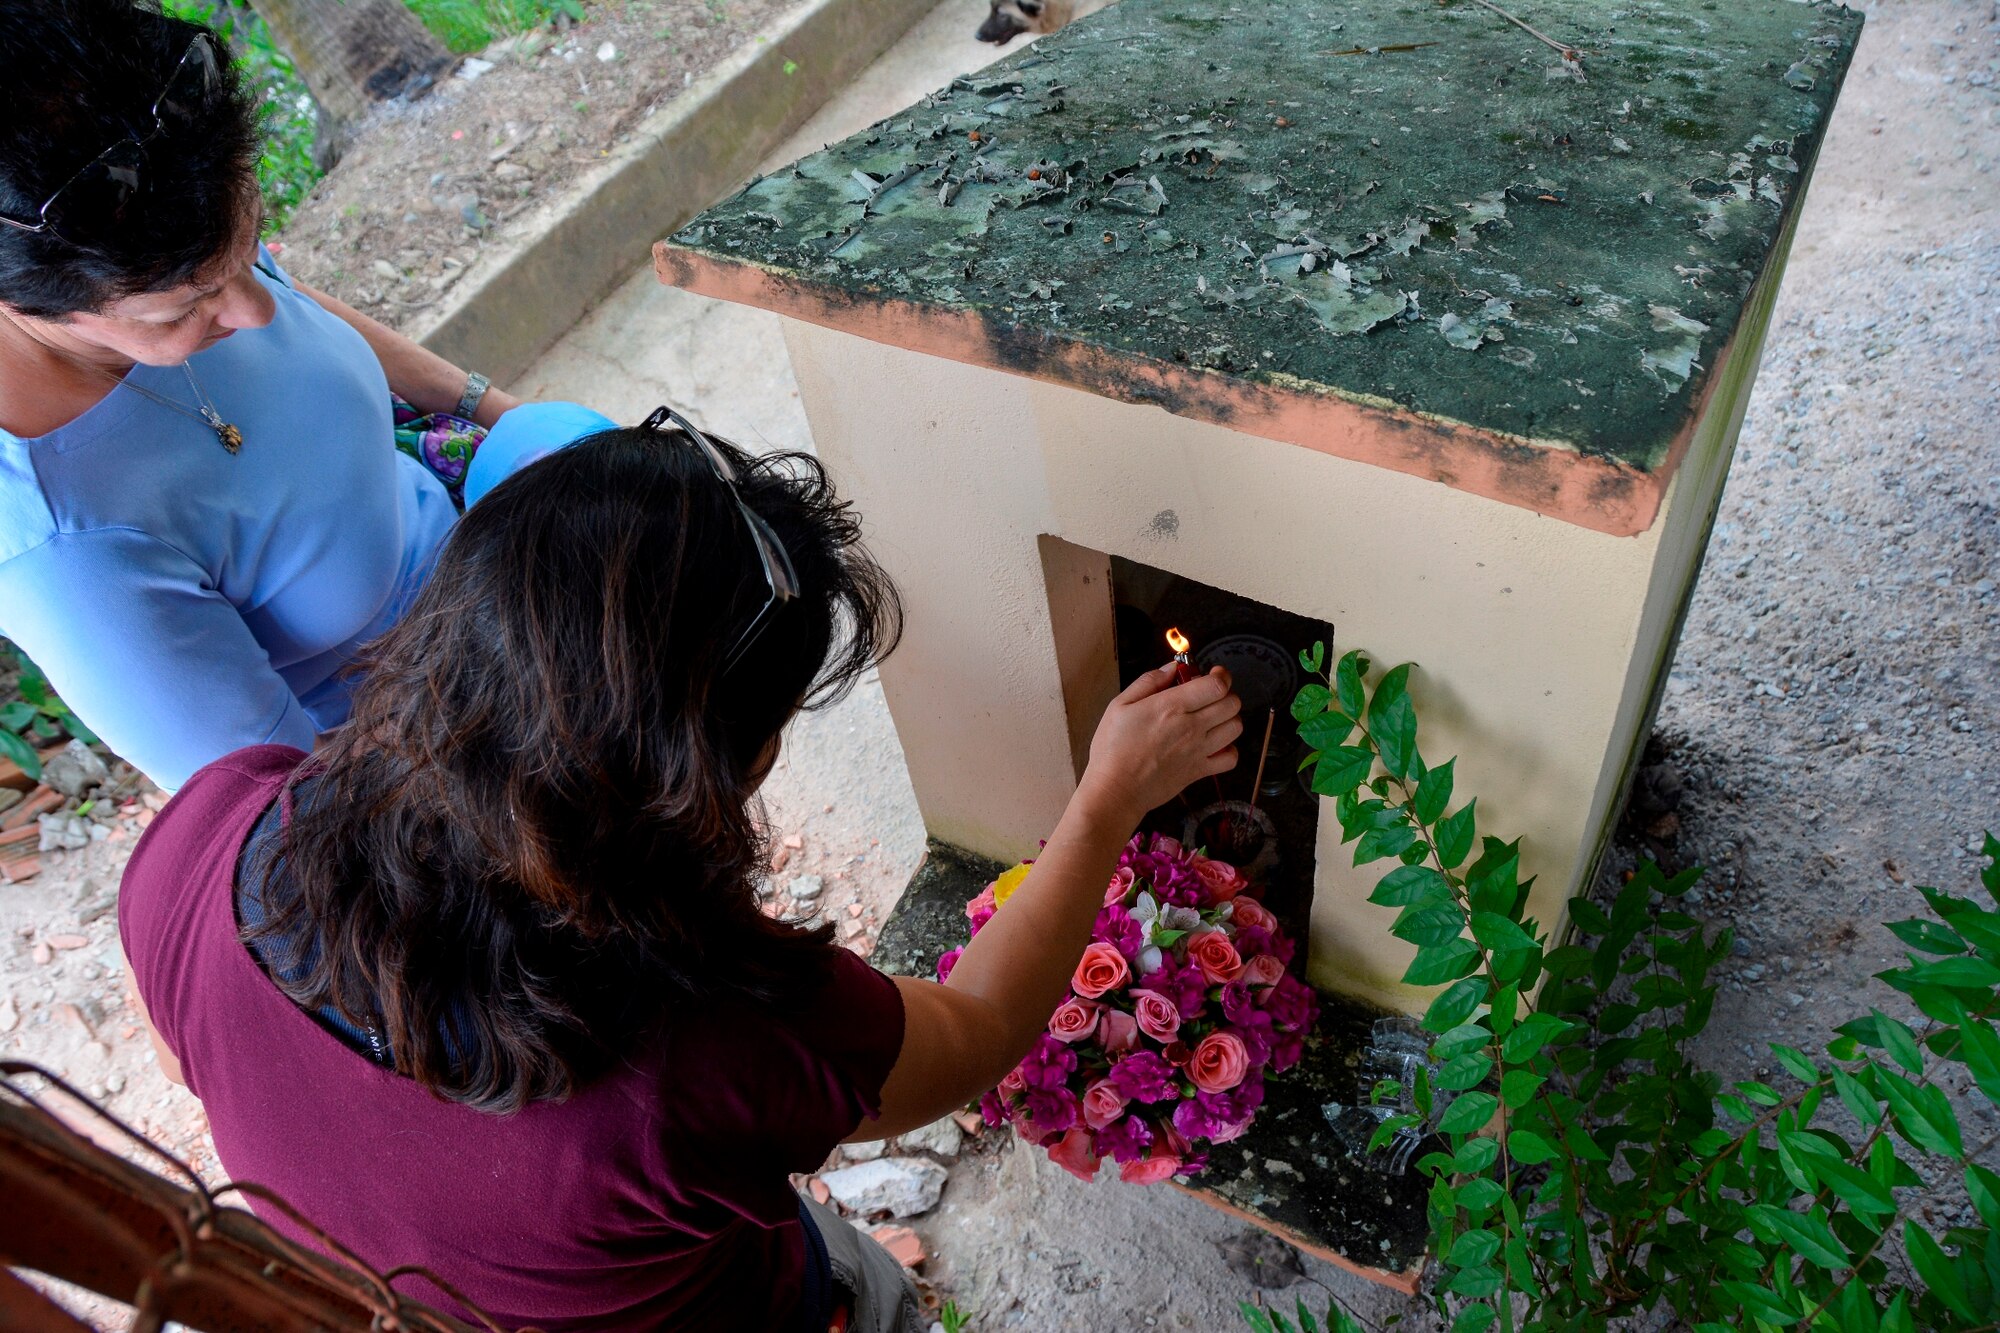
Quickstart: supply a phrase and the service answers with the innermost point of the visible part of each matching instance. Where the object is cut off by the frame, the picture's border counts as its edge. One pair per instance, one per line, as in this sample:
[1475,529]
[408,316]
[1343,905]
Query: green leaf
[1465,1037]
[1454,837]
[1441,963]
[1922,1115]
[1478,1197]
[1429,925]
[1529,1148]
[1453,1007]
[1859,1102]
[1469,1113]
[1474,1248]
[1481,1281]
[1529,1036]
[1467,1071]
[1984,1188]
[1928,936]
[1762,1303]
[23,754]
[1394,728]
[1259,1321]
[1433,793]
[1856,1188]
[1494,885]
[1475,1155]
[1761,1093]
[1498,933]
[1710,1142]
[1979,1045]
[1410,884]
[1347,682]
[1974,973]
[1312,698]
[1936,1270]
[1314,662]
[1342,769]
[1518,1087]
[1326,728]
[16,714]
[1898,1040]
[1796,1063]
[1474,1318]
[1805,1234]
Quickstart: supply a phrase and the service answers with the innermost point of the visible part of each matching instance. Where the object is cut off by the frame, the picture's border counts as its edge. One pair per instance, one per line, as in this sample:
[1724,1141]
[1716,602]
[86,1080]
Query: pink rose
[1013,1083]
[1219,1062]
[1074,1019]
[1156,1015]
[1222,880]
[1102,1104]
[1102,968]
[1215,955]
[1263,970]
[1166,846]
[1149,1170]
[1117,1031]
[983,903]
[1074,1153]
[1249,914]
[1120,885]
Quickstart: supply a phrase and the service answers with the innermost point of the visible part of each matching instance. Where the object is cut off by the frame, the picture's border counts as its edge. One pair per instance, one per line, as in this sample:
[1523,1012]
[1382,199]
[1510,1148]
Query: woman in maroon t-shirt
[483,984]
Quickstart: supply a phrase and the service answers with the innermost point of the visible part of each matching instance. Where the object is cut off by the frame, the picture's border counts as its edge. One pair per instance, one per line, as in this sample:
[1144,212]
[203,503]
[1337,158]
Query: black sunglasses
[771,553]
[85,208]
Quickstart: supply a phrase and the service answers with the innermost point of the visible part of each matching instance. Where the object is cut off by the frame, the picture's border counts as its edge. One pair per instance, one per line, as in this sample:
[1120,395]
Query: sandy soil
[1826,742]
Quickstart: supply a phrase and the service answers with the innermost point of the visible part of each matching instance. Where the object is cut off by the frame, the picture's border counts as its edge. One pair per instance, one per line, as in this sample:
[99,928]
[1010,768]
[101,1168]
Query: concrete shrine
[1421,324]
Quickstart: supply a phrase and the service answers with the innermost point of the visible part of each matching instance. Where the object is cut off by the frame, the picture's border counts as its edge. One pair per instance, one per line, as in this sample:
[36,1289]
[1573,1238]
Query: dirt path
[1827,739]
[429,187]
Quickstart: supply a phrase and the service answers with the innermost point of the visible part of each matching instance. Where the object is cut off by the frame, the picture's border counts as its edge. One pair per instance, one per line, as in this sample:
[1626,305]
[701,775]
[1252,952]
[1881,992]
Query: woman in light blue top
[202,509]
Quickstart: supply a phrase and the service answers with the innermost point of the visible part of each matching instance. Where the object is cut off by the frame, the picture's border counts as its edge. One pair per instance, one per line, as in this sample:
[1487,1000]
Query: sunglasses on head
[85,208]
[779,575]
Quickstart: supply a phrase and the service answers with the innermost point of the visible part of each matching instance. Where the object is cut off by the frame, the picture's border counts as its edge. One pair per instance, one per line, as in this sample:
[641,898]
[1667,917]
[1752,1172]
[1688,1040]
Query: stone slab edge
[576,249]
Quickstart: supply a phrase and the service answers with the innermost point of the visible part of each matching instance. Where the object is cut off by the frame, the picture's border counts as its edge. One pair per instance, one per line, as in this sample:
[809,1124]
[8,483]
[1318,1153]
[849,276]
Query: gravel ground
[1825,743]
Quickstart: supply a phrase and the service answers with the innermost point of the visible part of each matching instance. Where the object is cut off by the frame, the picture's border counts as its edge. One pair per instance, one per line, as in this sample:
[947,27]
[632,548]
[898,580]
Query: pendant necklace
[230,438]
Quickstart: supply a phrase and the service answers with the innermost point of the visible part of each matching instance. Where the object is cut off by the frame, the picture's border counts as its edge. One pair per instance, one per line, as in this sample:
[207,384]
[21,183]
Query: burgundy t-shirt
[654,1197]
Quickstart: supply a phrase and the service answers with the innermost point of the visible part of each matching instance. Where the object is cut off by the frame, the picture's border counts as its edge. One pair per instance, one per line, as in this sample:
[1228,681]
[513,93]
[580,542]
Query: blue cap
[529,432]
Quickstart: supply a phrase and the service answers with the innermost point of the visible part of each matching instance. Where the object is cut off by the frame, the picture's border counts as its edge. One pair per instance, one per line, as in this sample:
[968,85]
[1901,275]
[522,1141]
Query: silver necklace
[230,438]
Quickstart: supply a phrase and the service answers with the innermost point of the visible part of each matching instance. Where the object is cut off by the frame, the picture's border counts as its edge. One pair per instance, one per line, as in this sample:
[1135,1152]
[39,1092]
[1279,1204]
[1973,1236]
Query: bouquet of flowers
[1178,1007]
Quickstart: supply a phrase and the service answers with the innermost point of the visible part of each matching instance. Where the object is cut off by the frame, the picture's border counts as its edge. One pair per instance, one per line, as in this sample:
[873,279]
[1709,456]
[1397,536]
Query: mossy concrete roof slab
[1411,232]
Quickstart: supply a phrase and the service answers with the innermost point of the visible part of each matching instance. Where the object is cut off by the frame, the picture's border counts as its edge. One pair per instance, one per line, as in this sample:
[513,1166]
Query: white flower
[1180,918]
[1150,959]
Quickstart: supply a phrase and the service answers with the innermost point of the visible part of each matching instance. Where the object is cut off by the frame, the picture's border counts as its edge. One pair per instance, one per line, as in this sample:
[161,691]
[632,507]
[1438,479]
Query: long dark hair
[79,76]
[535,836]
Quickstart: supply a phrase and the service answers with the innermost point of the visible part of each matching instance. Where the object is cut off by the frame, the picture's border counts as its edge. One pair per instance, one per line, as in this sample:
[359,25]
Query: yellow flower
[1003,887]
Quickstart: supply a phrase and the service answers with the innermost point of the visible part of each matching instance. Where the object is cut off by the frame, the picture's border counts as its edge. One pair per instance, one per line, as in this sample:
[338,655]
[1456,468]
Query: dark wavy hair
[535,838]
[79,76]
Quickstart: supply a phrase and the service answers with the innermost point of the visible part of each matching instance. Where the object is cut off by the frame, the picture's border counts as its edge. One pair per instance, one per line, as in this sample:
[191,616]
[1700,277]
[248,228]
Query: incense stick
[1257,783]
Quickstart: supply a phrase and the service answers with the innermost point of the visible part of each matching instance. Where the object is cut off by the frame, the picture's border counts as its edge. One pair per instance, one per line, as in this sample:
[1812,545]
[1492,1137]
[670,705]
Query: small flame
[1177,641]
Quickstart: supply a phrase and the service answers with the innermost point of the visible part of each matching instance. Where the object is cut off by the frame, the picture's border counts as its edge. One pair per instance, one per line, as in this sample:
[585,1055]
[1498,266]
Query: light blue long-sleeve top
[187,602]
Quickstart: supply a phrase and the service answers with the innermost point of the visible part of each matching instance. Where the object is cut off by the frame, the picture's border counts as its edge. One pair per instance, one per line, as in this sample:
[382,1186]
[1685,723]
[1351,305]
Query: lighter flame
[1177,641]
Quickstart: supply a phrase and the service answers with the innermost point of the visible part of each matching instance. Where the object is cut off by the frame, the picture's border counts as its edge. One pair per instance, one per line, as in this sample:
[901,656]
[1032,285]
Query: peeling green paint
[1403,201]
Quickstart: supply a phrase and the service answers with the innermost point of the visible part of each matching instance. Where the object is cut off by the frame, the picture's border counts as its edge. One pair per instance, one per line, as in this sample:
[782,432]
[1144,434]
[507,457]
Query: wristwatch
[476,386]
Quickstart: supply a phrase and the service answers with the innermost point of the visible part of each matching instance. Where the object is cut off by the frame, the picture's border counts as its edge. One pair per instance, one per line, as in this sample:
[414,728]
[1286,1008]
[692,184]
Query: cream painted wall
[1538,643]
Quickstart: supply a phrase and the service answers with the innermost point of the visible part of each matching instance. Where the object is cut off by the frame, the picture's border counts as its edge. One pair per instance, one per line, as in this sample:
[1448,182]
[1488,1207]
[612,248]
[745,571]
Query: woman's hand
[1158,738]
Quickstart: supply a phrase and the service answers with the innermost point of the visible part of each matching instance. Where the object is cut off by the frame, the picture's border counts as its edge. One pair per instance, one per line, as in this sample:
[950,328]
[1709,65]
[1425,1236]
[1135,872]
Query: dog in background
[1010,18]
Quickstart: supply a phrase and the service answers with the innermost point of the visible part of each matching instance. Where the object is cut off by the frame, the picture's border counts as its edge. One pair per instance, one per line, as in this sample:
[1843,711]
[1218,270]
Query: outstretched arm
[960,1037]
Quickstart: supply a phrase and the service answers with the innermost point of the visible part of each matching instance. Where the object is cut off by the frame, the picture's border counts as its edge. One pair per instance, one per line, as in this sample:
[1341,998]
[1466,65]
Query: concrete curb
[707,141]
